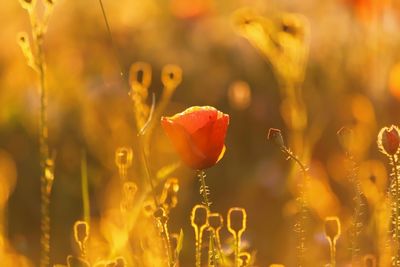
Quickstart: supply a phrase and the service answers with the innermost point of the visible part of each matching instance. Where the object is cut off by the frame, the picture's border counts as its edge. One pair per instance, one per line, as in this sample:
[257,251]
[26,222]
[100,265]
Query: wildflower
[198,135]
[389,140]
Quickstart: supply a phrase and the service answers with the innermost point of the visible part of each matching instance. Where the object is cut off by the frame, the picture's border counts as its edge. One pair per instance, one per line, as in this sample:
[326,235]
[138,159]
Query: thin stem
[332,246]
[85,188]
[147,171]
[303,206]
[205,192]
[167,243]
[199,237]
[111,38]
[237,248]
[357,213]
[396,208]
[45,184]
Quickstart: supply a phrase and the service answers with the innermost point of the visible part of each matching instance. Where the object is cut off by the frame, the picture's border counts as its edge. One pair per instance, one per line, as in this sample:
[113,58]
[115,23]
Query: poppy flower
[198,135]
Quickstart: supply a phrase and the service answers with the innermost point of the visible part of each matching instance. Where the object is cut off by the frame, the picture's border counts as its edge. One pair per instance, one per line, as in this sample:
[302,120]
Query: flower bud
[389,140]
[276,136]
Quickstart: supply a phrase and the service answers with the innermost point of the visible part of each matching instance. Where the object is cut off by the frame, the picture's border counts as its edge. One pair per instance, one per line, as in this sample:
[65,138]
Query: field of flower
[177,133]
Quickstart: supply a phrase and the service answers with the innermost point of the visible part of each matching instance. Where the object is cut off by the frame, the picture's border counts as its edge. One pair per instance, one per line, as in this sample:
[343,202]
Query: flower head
[389,140]
[198,135]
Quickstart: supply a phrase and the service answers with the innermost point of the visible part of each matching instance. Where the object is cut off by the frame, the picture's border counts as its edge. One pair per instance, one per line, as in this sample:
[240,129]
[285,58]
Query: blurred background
[351,78]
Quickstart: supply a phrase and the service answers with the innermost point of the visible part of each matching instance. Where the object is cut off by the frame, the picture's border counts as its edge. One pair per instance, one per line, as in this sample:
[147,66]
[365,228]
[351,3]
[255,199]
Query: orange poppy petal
[195,118]
[183,143]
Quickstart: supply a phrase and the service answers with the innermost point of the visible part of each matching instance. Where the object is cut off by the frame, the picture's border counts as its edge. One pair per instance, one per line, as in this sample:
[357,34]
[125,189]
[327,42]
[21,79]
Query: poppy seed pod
[81,232]
[198,135]
[199,217]
[332,228]
[389,140]
[237,221]
[123,157]
[215,221]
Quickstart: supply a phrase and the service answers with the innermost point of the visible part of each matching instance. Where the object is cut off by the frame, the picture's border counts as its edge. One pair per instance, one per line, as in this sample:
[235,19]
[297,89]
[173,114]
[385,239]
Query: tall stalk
[395,192]
[205,193]
[36,60]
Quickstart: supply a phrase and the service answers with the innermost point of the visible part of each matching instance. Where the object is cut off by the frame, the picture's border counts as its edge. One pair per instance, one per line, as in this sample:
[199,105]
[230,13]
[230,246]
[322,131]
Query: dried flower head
[171,76]
[81,232]
[123,157]
[199,217]
[332,228]
[237,218]
[215,221]
[389,140]
[276,136]
[245,258]
[169,195]
[130,189]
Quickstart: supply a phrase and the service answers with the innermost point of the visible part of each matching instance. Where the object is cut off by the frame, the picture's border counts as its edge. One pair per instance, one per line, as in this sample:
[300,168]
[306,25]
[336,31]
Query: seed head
[199,216]
[81,232]
[237,218]
[332,228]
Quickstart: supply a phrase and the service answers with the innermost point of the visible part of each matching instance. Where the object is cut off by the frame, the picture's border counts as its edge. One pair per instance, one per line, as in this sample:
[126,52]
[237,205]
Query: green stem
[85,188]
[204,191]
[332,246]
[396,209]
[45,184]
[303,206]
[199,237]
[237,248]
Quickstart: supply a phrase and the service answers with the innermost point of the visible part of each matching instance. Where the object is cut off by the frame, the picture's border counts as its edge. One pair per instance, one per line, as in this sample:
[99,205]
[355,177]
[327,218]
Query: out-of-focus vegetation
[306,67]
